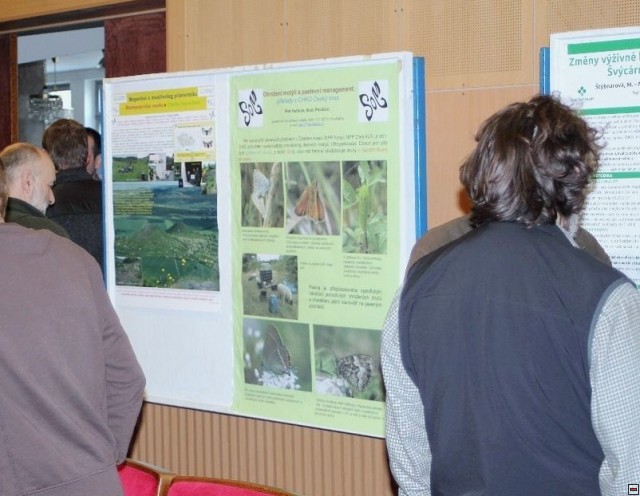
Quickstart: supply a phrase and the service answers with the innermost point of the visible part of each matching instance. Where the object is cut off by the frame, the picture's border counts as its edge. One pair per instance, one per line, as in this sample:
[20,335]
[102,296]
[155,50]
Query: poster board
[598,72]
[215,180]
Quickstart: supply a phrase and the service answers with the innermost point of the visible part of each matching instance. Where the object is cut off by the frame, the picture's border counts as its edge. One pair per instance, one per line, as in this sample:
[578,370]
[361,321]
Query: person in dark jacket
[510,358]
[79,202]
[30,177]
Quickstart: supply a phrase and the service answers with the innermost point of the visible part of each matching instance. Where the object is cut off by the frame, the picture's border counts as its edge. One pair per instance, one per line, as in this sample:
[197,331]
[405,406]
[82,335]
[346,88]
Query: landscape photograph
[166,236]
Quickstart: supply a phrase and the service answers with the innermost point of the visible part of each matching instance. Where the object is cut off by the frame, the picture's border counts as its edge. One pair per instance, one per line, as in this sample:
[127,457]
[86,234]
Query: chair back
[209,486]
[142,479]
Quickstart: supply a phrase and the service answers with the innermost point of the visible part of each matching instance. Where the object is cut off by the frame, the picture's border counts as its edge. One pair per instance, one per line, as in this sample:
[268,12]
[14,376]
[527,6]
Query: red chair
[142,479]
[208,486]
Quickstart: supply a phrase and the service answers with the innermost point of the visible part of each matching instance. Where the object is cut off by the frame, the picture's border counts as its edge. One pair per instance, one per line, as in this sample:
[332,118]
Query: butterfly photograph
[364,205]
[313,197]
[262,196]
[276,354]
[347,362]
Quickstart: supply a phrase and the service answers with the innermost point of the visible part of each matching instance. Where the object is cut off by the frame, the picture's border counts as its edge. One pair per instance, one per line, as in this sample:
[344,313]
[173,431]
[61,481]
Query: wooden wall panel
[307,461]
[472,44]
[558,16]
[334,28]
[208,34]
[27,16]
[11,9]
[453,117]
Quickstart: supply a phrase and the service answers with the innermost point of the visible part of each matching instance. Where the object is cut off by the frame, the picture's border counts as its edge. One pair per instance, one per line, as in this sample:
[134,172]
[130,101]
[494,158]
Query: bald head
[30,174]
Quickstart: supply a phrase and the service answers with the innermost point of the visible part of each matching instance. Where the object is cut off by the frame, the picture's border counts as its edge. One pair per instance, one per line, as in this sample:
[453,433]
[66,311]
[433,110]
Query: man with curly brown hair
[510,359]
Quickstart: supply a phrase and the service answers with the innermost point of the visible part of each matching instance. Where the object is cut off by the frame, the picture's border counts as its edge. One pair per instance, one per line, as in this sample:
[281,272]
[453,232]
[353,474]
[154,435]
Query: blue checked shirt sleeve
[615,389]
[406,435]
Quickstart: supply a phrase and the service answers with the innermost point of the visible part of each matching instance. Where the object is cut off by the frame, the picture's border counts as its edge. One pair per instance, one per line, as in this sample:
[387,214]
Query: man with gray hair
[72,387]
[30,177]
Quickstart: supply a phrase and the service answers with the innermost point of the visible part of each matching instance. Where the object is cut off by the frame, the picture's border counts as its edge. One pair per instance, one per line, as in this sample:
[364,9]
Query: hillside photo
[166,236]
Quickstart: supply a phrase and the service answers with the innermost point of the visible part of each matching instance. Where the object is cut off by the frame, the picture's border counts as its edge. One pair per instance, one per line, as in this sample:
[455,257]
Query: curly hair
[532,163]
[66,142]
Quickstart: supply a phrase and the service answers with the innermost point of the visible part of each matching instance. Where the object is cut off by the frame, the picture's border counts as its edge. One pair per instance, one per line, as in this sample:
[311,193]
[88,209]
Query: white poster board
[598,72]
[184,173]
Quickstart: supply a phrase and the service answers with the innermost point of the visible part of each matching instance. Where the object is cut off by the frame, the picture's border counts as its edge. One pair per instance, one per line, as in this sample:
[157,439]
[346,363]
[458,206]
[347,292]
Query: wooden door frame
[10,30]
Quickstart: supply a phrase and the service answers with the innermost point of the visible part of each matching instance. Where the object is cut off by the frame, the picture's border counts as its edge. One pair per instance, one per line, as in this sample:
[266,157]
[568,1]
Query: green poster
[315,163]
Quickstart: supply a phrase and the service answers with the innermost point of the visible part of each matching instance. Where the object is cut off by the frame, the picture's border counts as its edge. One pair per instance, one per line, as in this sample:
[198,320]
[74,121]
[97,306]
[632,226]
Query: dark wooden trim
[42,24]
[135,45]
[8,89]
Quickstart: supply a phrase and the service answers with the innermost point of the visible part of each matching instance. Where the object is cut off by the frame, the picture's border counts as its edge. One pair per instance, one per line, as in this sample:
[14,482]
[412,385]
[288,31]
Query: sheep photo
[270,285]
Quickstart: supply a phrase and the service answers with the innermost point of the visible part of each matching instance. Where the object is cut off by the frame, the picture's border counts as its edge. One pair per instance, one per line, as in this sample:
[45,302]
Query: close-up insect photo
[313,198]
[277,354]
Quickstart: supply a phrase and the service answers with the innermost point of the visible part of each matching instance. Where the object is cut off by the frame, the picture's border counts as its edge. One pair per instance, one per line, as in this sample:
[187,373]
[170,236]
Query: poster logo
[250,108]
[373,101]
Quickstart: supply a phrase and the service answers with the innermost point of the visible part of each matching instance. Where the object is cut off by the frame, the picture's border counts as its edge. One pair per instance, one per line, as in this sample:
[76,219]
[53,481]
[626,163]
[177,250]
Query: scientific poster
[318,173]
[164,191]
[258,222]
[598,72]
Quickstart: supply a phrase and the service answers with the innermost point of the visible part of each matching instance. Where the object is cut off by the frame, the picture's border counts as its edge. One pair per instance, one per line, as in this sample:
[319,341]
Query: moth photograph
[313,198]
[277,354]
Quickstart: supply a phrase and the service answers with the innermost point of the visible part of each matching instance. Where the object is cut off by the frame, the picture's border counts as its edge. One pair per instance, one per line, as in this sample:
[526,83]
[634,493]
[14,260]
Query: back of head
[532,163]
[17,155]
[66,142]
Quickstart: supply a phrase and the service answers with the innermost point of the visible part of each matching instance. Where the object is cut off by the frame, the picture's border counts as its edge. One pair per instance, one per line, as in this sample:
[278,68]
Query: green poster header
[617,175]
[603,46]
[611,110]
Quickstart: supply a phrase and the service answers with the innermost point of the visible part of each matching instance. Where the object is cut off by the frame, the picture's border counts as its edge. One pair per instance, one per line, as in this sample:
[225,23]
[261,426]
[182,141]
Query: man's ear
[27,182]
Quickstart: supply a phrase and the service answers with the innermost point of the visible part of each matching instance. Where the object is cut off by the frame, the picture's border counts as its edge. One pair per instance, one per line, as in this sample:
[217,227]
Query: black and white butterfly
[275,354]
[207,131]
[356,369]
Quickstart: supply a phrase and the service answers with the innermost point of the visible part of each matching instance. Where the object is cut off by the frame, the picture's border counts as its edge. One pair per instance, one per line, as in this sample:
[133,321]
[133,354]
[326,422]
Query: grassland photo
[166,236]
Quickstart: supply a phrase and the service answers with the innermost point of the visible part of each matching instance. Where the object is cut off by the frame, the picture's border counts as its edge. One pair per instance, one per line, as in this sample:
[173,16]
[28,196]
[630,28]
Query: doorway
[59,75]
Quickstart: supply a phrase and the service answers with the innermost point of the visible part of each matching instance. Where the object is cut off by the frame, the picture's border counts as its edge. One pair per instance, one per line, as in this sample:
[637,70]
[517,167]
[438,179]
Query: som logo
[374,104]
[250,108]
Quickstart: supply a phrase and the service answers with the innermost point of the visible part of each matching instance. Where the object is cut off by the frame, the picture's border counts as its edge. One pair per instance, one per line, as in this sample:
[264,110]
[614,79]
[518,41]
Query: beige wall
[480,55]
[11,10]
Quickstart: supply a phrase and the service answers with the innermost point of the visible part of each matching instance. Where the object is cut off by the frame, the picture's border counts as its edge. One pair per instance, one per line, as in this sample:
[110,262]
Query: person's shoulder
[439,236]
[587,242]
[36,240]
